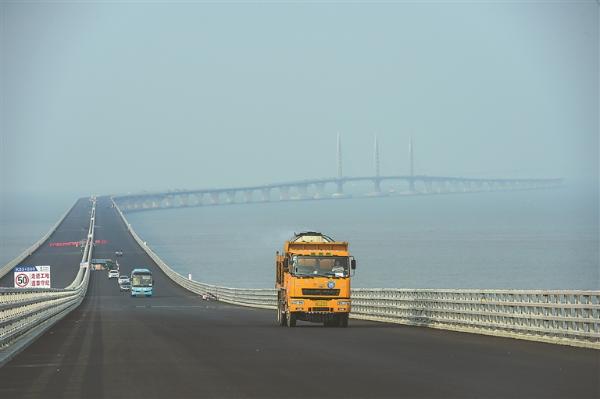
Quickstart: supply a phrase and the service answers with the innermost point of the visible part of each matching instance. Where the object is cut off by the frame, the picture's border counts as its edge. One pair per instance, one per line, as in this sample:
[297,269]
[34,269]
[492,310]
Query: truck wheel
[343,320]
[291,320]
[281,319]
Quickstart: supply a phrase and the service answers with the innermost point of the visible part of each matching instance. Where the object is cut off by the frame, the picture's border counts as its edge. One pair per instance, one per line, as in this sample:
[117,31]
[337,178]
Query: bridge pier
[441,187]
[320,190]
[266,194]
[377,186]
[248,196]
[214,198]
[166,202]
[196,199]
[184,200]
[428,186]
[302,191]
[230,196]
[339,189]
[284,193]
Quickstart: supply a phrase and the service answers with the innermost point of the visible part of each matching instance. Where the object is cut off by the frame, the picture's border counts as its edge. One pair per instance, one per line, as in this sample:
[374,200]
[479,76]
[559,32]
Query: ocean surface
[545,239]
[24,219]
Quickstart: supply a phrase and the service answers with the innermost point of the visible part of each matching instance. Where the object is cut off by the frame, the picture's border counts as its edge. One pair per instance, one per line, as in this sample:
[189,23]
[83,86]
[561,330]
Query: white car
[123,279]
[113,274]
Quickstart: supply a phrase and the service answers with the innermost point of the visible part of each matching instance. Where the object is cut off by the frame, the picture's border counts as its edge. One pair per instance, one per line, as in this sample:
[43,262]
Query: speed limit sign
[32,277]
[21,280]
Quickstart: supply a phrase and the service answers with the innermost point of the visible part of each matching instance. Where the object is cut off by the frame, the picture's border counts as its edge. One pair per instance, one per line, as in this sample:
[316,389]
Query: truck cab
[313,280]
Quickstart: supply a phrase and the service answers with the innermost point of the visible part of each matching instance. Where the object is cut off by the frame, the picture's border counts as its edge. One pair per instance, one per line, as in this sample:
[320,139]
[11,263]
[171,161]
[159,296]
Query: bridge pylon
[377,180]
[412,164]
[339,155]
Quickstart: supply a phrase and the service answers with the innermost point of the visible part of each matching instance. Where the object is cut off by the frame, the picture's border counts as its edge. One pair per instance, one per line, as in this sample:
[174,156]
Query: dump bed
[316,248]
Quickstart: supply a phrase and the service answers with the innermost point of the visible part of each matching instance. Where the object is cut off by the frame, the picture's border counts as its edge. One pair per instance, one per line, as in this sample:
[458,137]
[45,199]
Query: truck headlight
[297,302]
[344,303]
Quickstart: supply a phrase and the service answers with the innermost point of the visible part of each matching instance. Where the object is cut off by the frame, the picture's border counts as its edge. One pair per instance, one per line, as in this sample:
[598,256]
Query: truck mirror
[285,263]
[353,264]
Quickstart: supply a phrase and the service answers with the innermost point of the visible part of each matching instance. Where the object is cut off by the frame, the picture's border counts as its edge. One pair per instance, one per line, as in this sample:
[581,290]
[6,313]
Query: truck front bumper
[323,306]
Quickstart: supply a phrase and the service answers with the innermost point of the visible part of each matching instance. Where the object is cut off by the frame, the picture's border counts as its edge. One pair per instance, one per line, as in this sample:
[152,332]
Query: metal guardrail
[10,265]
[566,317]
[25,314]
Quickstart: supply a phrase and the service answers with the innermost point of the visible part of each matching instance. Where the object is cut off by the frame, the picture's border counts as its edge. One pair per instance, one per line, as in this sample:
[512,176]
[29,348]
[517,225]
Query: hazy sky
[112,97]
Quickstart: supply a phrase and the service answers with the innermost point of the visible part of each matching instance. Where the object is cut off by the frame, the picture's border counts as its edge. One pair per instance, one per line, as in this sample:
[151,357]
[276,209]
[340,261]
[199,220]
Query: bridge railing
[27,313]
[567,317]
[260,298]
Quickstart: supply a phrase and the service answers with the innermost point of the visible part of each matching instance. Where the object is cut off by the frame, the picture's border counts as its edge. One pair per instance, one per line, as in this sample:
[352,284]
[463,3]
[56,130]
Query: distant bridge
[327,188]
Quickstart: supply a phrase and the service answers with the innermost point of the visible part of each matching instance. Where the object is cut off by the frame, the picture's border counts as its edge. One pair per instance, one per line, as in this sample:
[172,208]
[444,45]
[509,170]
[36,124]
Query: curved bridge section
[328,188]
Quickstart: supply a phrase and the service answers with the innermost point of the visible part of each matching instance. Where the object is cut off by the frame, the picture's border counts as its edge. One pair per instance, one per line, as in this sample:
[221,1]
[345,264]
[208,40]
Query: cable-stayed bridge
[332,188]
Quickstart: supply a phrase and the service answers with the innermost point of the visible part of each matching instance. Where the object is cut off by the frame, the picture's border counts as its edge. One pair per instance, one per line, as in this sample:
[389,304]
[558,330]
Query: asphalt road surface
[175,345]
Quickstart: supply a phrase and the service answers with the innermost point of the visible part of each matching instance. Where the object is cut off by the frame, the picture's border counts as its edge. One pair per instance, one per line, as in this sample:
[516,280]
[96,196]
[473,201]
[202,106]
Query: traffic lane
[64,261]
[249,354]
[180,346]
[111,228]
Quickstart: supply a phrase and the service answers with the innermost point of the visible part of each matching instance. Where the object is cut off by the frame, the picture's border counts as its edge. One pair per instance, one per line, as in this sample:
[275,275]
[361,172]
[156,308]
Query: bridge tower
[377,181]
[412,164]
[340,183]
[339,156]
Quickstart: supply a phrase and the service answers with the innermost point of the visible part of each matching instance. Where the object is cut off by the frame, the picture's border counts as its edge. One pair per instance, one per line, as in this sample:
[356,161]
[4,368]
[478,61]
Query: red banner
[76,243]
[65,244]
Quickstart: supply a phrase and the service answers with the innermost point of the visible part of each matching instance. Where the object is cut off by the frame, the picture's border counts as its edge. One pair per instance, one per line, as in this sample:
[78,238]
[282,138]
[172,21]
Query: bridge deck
[176,345]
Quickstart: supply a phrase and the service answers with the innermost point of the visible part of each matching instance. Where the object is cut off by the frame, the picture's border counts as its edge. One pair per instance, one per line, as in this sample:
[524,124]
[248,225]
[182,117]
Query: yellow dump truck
[313,280]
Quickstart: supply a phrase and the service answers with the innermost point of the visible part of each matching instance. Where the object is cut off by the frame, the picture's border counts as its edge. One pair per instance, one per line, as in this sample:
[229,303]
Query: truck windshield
[326,266]
[141,280]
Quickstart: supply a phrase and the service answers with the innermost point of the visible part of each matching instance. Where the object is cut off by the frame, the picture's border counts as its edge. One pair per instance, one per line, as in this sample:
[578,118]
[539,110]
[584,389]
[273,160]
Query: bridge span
[326,188]
[179,346]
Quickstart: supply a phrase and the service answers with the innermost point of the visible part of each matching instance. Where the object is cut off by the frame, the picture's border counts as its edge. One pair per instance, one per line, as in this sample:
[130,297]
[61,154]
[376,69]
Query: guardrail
[26,314]
[10,265]
[566,317]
